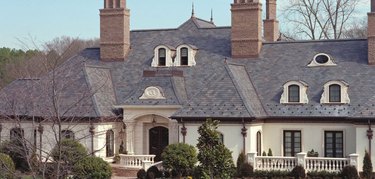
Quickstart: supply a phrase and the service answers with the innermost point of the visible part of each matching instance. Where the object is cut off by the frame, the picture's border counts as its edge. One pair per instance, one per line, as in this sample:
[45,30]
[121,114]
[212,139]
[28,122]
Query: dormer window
[295,92]
[162,57]
[294,96]
[335,92]
[322,59]
[184,56]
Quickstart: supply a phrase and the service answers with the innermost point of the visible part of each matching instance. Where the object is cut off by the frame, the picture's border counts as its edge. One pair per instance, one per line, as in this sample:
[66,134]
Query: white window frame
[303,99]
[170,52]
[192,51]
[314,63]
[343,89]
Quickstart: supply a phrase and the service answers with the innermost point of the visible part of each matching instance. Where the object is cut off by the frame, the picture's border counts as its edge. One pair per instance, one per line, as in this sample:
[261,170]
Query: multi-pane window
[110,143]
[259,143]
[184,56]
[292,143]
[67,134]
[162,57]
[333,144]
[334,93]
[293,91]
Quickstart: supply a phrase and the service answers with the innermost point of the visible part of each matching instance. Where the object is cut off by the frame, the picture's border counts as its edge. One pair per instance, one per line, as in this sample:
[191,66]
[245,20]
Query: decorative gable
[152,92]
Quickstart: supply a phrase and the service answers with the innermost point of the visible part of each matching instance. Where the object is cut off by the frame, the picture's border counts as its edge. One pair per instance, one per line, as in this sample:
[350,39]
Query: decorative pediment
[152,92]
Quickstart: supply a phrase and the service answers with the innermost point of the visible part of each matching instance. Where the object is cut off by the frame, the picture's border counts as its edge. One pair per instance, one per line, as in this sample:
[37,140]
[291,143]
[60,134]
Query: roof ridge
[314,41]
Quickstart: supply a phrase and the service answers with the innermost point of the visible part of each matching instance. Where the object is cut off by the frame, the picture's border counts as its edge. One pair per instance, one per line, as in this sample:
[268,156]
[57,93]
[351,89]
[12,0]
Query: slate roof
[218,86]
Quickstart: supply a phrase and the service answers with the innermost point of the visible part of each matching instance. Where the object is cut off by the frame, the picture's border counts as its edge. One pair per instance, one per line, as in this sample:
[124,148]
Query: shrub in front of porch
[7,167]
[215,159]
[367,166]
[180,158]
[92,167]
[349,172]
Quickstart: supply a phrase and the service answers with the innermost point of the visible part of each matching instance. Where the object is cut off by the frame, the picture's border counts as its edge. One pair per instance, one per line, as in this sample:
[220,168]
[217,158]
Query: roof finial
[192,10]
[212,16]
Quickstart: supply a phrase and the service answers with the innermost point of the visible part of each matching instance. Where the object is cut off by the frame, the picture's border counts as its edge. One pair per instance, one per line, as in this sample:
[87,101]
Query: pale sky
[24,21]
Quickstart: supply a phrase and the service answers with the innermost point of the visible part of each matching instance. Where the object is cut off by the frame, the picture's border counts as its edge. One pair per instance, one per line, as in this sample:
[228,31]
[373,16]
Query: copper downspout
[369,136]
[244,134]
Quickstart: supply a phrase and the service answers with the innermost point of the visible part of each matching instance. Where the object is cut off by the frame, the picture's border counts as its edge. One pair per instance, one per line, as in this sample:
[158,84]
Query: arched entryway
[158,140]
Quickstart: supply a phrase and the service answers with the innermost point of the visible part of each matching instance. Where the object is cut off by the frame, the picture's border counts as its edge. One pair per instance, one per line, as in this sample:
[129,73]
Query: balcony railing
[309,163]
[137,161]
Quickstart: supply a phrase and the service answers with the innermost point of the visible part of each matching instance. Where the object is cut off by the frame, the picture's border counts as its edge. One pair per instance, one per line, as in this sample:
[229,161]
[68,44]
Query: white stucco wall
[233,139]
[312,136]
[81,133]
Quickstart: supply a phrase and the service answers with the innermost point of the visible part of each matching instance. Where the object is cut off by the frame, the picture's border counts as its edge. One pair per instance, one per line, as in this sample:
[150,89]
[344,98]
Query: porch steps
[120,172]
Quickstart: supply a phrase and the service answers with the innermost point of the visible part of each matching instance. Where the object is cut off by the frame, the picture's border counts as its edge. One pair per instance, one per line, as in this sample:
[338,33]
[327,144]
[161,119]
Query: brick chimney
[371,34]
[114,30]
[246,28]
[271,25]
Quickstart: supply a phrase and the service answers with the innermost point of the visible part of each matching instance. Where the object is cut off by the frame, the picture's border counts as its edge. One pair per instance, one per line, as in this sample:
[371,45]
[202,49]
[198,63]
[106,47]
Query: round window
[322,58]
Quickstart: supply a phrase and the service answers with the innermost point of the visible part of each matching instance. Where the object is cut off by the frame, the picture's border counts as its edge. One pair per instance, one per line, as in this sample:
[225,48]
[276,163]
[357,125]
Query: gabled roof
[217,86]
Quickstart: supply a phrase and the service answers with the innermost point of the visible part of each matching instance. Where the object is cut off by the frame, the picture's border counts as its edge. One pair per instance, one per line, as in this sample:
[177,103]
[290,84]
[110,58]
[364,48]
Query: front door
[159,139]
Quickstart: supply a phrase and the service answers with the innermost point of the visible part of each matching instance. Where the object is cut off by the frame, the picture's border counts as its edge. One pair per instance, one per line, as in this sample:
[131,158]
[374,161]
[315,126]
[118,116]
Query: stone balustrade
[309,163]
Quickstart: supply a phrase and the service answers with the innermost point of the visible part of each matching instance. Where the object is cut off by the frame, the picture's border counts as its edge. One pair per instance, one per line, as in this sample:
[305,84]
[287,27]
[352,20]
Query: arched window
[334,93]
[67,134]
[110,143]
[16,134]
[162,57]
[184,56]
[293,91]
[259,143]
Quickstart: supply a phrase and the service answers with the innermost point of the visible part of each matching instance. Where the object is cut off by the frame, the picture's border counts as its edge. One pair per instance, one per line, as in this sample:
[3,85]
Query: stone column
[301,159]
[173,131]
[251,159]
[92,133]
[40,130]
[130,137]
[353,160]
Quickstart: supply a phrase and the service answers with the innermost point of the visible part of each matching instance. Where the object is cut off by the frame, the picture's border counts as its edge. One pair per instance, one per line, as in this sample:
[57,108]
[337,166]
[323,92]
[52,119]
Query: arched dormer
[185,55]
[163,56]
[335,92]
[294,92]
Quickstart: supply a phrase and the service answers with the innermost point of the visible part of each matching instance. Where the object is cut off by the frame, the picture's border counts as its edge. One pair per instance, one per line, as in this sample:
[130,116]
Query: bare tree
[320,19]
[44,107]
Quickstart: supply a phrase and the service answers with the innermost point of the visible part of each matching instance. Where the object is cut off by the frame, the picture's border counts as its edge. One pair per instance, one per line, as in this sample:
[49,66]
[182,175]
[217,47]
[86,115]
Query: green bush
[349,172]
[71,151]
[179,157]
[298,172]
[7,167]
[269,152]
[153,172]
[215,159]
[141,174]
[312,153]
[244,169]
[247,170]
[264,153]
[367,166]
[323,174]
[270,174]
[16,150]
[92,168]
[240,162]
